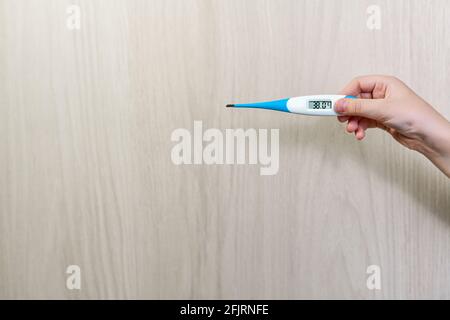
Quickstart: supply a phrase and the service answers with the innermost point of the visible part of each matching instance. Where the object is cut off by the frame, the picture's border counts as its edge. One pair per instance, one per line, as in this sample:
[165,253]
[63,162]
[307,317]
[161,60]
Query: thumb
[367,108]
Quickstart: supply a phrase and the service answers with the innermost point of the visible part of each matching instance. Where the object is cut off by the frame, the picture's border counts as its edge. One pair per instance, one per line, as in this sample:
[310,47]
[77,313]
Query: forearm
[439,147]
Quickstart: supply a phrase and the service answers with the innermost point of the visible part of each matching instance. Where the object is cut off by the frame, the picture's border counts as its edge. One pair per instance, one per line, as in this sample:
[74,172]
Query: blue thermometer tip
[278,105]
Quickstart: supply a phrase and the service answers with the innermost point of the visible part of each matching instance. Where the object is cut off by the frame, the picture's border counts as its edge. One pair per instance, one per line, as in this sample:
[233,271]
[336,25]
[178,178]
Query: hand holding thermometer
[320,105]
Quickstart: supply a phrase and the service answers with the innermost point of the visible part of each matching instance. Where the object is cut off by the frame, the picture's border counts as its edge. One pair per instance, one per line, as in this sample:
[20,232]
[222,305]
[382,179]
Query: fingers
[358,126]
[359,85]
[360,134]
[366,95]
[343,119]
[364,124]
[367,108]
[353,124]
[374,85]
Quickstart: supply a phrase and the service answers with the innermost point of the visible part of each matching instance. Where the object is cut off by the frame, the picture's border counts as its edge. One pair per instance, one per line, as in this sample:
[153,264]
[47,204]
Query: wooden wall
[86,176]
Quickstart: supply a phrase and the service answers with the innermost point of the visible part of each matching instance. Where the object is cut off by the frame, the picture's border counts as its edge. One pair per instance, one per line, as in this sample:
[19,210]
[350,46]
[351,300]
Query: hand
[387,103]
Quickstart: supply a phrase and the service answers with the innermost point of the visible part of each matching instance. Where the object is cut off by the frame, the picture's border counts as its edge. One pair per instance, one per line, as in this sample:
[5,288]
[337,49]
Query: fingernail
[341,105]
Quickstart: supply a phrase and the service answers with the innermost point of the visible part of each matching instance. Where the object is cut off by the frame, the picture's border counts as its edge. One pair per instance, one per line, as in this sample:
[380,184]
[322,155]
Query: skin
[386,103]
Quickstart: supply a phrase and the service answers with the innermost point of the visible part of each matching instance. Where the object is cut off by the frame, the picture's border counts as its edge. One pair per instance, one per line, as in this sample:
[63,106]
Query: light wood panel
[86,176]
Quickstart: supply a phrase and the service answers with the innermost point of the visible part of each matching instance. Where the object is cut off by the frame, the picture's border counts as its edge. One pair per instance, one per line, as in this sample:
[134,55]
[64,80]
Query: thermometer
[320,105]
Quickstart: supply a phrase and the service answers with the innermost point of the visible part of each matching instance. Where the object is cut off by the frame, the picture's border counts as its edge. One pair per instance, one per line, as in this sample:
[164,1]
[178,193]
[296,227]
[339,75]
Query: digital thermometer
[321,105]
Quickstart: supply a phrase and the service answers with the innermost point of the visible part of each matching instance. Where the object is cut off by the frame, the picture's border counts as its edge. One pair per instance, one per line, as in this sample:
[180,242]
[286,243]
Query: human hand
[387,103]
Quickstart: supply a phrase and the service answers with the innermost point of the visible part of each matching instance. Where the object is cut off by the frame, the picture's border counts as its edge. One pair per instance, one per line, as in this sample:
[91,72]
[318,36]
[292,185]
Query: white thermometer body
[318,105]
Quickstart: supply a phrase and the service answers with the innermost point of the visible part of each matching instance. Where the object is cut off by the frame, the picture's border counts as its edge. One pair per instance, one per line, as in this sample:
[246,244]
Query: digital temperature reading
[320,105]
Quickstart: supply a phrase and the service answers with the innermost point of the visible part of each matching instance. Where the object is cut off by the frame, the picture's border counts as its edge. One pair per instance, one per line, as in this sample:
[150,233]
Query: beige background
[86,176]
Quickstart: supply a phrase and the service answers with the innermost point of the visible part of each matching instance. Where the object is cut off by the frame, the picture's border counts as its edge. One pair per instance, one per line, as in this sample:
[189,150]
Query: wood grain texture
[86,176]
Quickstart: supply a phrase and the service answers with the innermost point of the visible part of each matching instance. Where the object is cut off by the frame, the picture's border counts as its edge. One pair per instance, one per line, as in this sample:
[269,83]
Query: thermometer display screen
[320,104]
